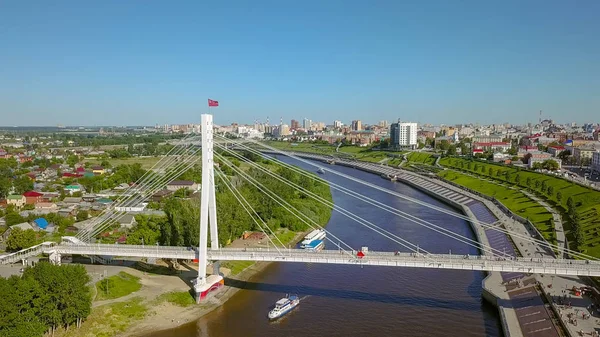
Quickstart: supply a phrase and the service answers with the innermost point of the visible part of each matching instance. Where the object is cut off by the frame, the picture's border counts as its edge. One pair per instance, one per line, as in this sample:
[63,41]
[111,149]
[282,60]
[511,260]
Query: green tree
[22,184]
[19,239]
[5,186]
[558,194]
[82,215]
[13,218]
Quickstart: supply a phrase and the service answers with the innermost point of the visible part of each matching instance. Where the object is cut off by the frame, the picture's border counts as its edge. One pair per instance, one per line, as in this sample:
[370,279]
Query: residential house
[42,224]
[121,187]
[73,189]
[89,197]
[49,206]
[17,200]
[160,195]
[72,200]
[136,208]
[98,170]
[179,184]
[67,212]
[23,226]
[33,197]
[127,221]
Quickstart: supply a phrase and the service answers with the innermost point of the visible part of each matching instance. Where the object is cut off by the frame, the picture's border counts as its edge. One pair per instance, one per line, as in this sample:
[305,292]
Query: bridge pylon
[208,215]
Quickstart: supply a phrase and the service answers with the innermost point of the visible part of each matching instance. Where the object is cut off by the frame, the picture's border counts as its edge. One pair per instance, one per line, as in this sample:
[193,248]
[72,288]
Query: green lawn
[117,286]
[237,267]
[146,162]
[108,320]
[421,157]
[514,200]
[179,298]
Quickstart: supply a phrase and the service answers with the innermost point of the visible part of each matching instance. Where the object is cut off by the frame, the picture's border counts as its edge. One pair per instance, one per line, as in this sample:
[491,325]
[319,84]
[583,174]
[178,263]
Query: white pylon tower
[208,213]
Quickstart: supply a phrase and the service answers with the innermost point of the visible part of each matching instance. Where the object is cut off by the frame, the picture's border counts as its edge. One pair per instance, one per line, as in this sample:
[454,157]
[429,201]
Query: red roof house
[32,197]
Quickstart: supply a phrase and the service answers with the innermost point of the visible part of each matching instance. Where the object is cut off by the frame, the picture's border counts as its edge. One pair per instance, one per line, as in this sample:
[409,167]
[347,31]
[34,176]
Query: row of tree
[45,298]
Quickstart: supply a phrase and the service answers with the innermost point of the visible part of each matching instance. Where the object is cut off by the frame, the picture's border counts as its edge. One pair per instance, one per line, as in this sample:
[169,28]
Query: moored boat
[317,234]
[283,306]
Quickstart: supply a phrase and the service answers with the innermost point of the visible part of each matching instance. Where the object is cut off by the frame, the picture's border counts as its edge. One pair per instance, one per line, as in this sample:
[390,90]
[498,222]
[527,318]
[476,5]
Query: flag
[212,103]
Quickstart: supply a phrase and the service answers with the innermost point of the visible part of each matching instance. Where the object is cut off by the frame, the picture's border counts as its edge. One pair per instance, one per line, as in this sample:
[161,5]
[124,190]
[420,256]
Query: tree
[19,239]
[528,182]
[571,207]
[13,218]
[82,215]
[5,186]
[491,172]
[558,194]
[22,184]
[72,160]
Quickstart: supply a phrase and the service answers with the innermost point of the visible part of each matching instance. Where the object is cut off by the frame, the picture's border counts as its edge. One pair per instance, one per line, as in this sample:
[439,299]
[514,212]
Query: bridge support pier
[55,258]
[208,216]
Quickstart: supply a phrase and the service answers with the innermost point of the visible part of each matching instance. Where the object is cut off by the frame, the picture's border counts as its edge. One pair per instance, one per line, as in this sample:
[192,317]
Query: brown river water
[371,301]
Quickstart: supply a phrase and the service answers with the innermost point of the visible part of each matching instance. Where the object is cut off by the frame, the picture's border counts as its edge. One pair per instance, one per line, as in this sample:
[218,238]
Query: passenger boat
[283,306]
[315,245]
[320,171]
[317,234]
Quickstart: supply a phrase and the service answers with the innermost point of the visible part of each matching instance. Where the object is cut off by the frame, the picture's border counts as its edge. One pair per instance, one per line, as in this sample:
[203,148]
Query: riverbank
[168,316]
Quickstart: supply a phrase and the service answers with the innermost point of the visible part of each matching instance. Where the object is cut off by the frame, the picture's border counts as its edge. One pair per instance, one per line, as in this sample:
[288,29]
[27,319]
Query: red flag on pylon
[212,103]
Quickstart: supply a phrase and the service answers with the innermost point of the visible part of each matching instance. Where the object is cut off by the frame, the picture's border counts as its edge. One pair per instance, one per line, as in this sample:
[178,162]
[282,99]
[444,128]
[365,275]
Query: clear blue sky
[146,62]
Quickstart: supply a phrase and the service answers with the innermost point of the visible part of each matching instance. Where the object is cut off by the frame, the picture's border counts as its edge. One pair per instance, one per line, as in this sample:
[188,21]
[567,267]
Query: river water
[370,301]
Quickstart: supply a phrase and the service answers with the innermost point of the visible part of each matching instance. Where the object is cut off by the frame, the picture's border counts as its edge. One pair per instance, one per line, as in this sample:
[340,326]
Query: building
[383,124]
[160,195]
[294,125]
[555,150]
[138,208]
[306,124]
[99,170]
[337,124]
[356,125]
[595,165]
[487,139]
[493,146]
[179,184]
[128,221]
[33,197]
[73,189]
[540,157]
[17,200]
[403,135]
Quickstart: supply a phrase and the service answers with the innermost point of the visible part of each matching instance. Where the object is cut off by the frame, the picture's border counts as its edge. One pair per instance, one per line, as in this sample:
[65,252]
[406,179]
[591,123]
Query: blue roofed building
[41,223]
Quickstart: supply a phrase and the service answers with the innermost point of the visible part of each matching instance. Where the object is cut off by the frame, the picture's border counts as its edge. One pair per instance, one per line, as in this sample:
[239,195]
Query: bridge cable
[543,243]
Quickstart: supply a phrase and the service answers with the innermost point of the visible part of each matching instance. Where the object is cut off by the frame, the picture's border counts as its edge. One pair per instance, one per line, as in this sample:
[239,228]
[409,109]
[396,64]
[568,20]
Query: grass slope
[117,286]
[555,190]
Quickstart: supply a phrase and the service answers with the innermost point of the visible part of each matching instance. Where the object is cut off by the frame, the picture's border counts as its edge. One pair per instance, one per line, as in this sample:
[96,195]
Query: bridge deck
[436,261]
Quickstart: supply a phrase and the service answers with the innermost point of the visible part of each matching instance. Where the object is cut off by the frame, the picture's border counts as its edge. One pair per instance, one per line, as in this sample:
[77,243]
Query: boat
[320,170]
[315,245]
[283,306]
[317,234]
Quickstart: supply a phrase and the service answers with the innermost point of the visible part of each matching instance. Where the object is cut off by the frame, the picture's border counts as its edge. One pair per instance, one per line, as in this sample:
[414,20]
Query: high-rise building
[294,124]
[383,124]
[306,124]
[356,125]
[337,124]
[403,135]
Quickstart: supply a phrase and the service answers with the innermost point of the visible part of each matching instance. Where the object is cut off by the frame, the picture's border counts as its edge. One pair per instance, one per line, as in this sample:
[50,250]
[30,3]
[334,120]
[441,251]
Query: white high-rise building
[403,134]
[306,124]
[337,124]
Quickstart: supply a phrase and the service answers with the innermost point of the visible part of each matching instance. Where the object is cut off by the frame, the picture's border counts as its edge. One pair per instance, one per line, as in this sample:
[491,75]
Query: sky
[146,62]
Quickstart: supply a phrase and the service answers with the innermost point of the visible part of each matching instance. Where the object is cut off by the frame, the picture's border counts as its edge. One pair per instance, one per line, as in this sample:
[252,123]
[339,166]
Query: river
[370,301]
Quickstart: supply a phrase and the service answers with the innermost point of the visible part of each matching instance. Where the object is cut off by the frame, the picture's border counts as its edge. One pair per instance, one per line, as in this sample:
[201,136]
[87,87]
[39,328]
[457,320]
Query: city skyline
[440,63]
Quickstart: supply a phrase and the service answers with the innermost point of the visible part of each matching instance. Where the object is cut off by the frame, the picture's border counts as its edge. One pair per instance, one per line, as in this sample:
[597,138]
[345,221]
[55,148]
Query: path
[558,226]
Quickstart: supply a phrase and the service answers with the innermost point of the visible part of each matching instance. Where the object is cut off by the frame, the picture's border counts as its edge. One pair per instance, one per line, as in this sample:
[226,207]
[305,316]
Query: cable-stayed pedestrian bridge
[370,258]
